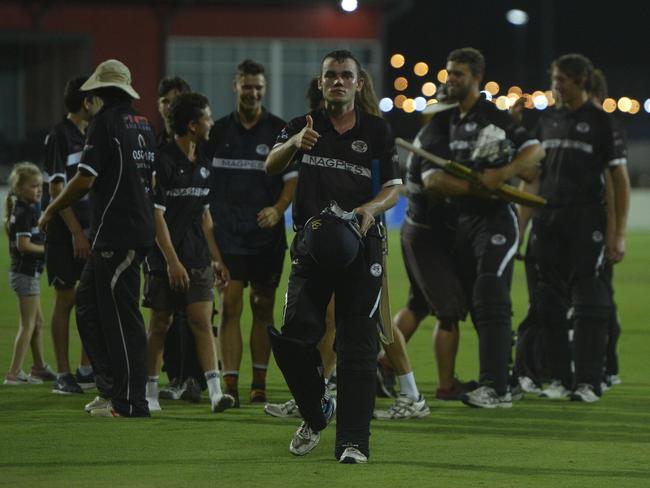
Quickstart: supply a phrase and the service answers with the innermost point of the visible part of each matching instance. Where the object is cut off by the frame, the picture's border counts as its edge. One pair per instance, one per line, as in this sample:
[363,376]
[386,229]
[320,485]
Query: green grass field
[47,440]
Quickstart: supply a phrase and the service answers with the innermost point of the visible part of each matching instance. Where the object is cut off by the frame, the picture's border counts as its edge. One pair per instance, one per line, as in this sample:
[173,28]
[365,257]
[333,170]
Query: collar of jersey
[327,123]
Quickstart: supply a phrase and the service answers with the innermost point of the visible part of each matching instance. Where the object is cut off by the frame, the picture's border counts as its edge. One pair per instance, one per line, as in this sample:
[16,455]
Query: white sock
[212,379]
[152,387]
[85,370]
[408,387]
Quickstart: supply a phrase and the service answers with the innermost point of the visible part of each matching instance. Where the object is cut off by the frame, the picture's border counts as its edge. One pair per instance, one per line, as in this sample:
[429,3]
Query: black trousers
[112,329]
[487,244]
[614,325]
[570,249]
[357,290]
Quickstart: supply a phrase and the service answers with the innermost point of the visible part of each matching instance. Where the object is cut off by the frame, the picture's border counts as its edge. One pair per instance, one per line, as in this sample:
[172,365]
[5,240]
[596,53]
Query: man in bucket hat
[116,167]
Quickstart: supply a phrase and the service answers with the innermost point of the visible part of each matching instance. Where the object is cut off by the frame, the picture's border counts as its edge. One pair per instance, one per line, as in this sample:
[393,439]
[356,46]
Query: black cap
[331,240]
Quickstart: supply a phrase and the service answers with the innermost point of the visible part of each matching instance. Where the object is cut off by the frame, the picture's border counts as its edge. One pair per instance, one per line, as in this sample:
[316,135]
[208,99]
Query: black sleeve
[97,149]
[620,145]
[24,219]
[163,171]
[55,156]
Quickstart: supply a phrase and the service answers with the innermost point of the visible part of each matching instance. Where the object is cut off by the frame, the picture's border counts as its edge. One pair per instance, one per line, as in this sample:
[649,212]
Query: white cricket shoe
[352,455]
[98,402]
[486,397]
[404,408]
[555,391]
[304,440]
[528,385]
[282,410]
[221,402]
[584,393]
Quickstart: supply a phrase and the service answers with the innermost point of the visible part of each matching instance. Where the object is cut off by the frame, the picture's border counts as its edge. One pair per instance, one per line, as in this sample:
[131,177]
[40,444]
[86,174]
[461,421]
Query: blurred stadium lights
[539,100]
[397,60]
[517,17]
[349,5]
[385,104]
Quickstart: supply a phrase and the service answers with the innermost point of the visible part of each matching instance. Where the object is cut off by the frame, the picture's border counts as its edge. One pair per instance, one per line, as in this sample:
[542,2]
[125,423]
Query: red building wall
[133,34]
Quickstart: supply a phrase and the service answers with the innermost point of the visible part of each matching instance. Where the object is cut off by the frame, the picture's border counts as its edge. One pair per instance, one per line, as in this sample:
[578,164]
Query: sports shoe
[154,404]
[66,385]
[584,393]
[486,397]
[258,395]
[304,440]
[105,411]
[191,390]
[22,379]
[173,391]
[352,455]
[235,394]
[385,381]
[221,402]
[615,379]
[555,391]
[46,373]
[455,392]
[98,402]
[282,410]
[528,385]
[85,381]
[517,393]
[404,408]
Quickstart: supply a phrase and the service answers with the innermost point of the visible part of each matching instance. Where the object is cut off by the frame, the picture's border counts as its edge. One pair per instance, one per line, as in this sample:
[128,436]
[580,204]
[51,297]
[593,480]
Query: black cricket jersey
[485,137]
[241,187]
[120,153]
[421,209]
[63,149]
[340,166]
[579,146]
[23,221]
[182,191]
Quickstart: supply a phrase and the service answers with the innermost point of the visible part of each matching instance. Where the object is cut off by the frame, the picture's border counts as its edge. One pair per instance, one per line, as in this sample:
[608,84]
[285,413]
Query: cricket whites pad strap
[302,369]
[333,238]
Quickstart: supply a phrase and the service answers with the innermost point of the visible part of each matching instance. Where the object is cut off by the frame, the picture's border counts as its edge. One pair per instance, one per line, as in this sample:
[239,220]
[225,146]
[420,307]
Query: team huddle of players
[202,206]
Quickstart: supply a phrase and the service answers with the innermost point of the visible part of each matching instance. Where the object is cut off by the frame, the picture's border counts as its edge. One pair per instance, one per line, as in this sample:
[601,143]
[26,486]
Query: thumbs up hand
[306,139]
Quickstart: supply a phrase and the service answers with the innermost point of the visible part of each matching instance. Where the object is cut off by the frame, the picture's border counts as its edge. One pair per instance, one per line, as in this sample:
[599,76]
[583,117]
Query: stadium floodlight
[349,5]
[385,105]
[517,17]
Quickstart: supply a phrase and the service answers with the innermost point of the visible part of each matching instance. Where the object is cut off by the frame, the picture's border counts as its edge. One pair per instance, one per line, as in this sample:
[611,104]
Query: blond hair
[20,173]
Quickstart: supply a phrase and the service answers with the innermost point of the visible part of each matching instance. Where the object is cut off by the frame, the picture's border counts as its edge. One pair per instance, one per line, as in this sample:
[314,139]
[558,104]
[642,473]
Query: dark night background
[611,34]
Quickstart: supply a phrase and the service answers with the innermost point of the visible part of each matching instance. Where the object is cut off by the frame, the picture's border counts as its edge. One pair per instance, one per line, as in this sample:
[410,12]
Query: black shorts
[431,269]
[260,269]
[158,295]
[63,270]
